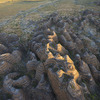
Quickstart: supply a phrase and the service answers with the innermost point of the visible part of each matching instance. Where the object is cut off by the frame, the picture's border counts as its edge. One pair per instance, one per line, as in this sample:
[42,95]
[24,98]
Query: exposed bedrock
[87,76]
[61,62]
[8,57]
[10,84]
[55,43]
[8,60]
[61,71]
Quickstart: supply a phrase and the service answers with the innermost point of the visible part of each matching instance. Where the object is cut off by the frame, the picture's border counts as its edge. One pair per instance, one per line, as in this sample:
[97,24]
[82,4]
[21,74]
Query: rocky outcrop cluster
[74,36]
[10,85]
[8,57]
[57,64]
[62,61]
[10,41]
[41,89]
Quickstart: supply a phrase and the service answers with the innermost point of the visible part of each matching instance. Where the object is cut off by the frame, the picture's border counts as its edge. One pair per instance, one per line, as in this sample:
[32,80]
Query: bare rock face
[5,67]
[95,73]
[9,39]
[61,79]
[43,90]
[3,49]
[61,49]
[8,59]
[9,86]
[91,59]
[86,75]
[90,44]
[60,70]
[61,61]
[34,65]
[15,57]
[54,49]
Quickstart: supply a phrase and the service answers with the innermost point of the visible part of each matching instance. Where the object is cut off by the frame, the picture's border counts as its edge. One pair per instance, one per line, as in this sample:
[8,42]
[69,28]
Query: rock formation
[61,62]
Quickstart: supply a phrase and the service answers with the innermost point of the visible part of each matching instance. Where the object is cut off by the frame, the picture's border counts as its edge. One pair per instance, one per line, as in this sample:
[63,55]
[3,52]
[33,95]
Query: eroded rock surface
[61,62]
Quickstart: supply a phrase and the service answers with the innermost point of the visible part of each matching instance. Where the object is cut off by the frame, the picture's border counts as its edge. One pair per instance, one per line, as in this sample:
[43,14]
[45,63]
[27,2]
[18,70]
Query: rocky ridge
[62,60]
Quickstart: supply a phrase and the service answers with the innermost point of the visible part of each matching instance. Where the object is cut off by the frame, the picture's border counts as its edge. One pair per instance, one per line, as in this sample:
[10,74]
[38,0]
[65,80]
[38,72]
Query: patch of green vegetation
[86,2]
[10,9]
[63,7]
[94,97]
